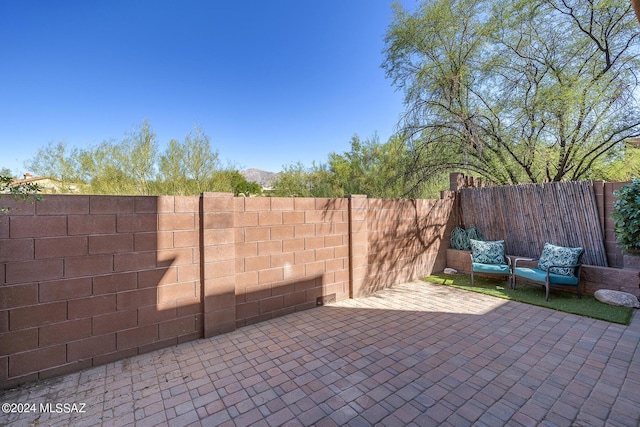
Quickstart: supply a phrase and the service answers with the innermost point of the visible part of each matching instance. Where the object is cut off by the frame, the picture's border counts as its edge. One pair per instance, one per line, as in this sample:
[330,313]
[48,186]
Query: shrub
[18,191]
[626,215]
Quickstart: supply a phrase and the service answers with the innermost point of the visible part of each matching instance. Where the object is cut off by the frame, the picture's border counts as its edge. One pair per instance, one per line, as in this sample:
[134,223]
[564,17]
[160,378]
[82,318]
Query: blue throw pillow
[558,255]
[487,252]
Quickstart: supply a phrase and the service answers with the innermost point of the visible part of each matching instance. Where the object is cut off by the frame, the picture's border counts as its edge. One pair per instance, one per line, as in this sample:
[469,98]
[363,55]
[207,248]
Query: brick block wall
[290,254]
[405,239]
[86,280]
[217,263]
[91,279]
[604,200]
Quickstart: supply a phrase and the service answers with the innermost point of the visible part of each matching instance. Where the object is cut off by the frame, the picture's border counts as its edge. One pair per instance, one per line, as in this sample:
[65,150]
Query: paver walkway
[416,354]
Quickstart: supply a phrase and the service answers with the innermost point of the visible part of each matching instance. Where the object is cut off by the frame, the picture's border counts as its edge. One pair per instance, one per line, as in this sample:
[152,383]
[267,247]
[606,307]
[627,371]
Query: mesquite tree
[516,91]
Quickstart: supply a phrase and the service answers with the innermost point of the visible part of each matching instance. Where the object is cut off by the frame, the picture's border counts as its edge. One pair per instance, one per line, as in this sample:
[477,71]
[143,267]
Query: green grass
[558,300]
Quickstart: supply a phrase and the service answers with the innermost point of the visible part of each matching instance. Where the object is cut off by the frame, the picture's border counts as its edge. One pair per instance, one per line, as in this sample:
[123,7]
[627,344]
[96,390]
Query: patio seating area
[414,354]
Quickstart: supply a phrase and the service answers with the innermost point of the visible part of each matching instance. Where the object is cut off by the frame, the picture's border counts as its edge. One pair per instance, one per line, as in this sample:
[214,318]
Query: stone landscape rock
[622,299]
[450,271]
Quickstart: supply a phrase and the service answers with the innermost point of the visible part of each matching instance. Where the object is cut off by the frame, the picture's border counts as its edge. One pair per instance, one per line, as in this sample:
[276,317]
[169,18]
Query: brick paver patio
[417,354]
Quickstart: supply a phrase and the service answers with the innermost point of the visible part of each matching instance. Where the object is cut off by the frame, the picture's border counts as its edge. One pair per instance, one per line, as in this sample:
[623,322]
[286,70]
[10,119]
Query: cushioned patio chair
[557,265]
[489,258]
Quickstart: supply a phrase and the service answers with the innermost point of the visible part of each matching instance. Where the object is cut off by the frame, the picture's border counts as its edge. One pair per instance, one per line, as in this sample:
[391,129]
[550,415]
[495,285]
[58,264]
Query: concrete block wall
[406,239]
[291,254]
[603,192]
[91,279]
[86,280]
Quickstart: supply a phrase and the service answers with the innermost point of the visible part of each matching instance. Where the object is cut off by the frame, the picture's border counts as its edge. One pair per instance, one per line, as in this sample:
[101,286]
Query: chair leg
[472,279]
[546,285]
[579,296]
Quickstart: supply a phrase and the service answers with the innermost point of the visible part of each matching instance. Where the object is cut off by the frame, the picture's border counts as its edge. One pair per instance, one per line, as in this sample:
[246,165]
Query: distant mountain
[263,178]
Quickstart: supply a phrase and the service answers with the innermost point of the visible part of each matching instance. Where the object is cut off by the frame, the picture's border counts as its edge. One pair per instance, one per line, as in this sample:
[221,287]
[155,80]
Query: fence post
[218,262]
[598,192]
[456,181]
[358,245]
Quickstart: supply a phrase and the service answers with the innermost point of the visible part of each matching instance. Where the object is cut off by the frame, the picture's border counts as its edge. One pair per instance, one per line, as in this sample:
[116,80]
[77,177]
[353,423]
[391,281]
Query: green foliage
[524,91]
[370,167]
[125,167]
[135,165]
[626,215]
[189,167]
[232,181]
[58,162]
[138,154]
[618,166]
[296,180]
[102,167]
[19,191]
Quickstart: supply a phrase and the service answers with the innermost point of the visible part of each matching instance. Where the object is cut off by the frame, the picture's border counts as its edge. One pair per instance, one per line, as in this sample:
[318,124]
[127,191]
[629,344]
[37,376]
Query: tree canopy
[136,165]
[516,91]
[368,167]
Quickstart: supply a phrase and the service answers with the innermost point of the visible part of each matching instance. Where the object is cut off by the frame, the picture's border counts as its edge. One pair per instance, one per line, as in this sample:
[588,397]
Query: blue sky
[271,82]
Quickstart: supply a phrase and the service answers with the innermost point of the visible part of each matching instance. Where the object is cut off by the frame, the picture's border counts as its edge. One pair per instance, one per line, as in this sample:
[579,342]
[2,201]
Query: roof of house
[30,178]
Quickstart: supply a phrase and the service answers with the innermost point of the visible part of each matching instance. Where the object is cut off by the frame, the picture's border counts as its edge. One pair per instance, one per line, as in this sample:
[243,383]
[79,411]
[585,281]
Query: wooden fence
[528,215]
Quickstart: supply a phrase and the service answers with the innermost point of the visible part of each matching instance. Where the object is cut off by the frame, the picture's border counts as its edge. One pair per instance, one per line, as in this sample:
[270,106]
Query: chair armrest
[563,266]
[515,261]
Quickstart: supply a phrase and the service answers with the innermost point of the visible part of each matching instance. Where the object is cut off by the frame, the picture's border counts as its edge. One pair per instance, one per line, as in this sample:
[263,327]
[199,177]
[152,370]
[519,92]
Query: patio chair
[489,258]
[557,265]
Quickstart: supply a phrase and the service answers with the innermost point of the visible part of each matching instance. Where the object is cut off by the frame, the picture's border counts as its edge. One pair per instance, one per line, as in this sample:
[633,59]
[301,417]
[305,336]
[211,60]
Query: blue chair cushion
[487,252]
[490,268]
[538,275]
[559,256]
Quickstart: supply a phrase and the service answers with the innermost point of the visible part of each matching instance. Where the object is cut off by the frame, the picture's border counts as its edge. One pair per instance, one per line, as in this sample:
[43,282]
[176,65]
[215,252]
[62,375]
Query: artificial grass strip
[562,301]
